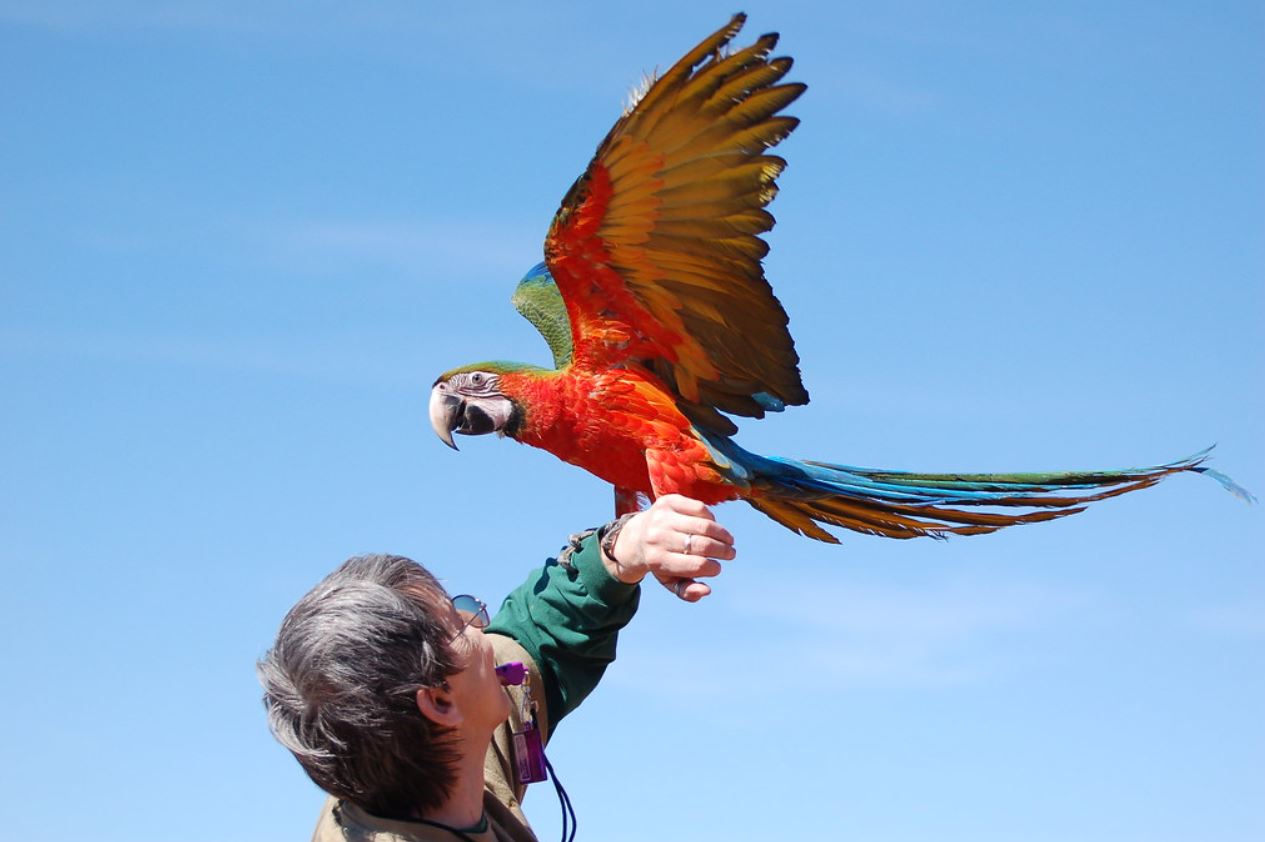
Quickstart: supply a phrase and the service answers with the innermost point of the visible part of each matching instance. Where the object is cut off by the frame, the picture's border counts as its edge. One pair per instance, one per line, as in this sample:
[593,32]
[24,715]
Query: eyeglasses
[473,612]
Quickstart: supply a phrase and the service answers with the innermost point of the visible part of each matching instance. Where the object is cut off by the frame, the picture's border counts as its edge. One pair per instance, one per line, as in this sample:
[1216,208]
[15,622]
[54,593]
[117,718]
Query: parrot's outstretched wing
[656,249]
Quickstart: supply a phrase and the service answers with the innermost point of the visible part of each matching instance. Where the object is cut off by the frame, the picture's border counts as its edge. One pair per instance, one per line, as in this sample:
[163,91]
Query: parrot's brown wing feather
[656,248]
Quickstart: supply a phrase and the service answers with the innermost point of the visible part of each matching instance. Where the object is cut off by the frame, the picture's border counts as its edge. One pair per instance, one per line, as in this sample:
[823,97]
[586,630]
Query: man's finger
[694,591]
[686,589]
[710,529]
[699,527]
[680,564]
[708,548]
[687,506]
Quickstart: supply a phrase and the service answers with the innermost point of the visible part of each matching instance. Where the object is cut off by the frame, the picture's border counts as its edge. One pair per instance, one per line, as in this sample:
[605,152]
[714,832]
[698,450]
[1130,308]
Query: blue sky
[239,240]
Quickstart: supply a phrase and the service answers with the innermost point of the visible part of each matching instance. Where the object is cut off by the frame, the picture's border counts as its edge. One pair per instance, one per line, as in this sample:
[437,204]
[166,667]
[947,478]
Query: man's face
[483,702]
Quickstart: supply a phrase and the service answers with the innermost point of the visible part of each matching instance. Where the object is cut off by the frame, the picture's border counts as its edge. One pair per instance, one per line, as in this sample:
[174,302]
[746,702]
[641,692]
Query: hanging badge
[529,749]
[529,752]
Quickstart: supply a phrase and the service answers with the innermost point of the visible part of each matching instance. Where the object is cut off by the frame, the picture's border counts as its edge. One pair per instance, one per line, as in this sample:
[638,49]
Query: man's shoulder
[507,648]
[342,822]
[327,829]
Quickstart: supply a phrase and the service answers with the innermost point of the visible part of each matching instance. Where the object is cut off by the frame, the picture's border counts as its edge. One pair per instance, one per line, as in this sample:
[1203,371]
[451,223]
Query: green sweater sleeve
[567,616]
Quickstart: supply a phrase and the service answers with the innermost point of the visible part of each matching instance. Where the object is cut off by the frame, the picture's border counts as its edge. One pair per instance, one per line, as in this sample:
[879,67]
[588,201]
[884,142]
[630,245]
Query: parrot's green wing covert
[538,299]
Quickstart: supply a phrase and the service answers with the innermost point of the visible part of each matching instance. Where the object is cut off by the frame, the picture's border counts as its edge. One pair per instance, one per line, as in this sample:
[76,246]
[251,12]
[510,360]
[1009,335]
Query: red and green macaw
[653,300]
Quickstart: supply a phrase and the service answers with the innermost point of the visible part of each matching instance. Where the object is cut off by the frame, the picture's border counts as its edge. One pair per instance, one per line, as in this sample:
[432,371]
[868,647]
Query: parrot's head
[468,400]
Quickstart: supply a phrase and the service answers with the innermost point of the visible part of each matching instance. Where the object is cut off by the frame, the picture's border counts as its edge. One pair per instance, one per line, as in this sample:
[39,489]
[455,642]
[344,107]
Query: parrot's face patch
[470,403]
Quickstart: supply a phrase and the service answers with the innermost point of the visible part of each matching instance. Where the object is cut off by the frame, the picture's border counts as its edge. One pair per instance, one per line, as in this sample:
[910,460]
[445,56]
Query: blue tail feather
[802,493]
[1227,483]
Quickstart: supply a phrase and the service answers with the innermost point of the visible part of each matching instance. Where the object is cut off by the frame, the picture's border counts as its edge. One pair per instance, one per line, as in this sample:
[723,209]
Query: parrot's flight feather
[656,248]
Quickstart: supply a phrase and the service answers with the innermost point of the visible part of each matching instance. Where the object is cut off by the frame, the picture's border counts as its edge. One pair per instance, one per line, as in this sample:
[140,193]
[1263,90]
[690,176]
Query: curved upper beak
[445,413]
[451,411]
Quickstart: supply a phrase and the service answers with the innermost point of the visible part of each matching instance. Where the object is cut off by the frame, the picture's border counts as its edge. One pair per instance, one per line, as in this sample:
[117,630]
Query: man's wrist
[595,573]
[608,537]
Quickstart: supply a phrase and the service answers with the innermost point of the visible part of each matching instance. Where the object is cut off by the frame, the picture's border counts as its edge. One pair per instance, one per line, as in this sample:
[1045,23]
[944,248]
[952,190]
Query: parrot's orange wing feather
[656,248]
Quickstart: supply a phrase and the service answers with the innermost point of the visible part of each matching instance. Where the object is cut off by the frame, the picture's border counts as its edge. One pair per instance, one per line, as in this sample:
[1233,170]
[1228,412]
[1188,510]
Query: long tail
[804,496]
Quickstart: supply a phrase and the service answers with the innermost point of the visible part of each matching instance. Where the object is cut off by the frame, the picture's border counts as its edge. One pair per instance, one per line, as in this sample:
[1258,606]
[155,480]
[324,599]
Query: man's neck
[464,806]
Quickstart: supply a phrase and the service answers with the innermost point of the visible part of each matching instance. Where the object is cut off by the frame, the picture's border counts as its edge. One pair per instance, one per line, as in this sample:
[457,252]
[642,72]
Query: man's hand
[678,541]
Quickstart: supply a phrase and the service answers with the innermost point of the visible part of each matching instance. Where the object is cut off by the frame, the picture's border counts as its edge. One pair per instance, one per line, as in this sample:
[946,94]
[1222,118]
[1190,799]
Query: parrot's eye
[477,378]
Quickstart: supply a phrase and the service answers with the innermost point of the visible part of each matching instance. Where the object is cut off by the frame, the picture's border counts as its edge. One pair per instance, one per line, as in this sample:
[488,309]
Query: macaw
[653,301]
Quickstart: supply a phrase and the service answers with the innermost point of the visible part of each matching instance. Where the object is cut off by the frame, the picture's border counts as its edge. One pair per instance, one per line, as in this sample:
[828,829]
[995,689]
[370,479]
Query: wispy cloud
[416,246]
[412,245]
[337,362]
[122,14]
[259,17]
[952,611]
[1244,619]
[882,94]
[848,635]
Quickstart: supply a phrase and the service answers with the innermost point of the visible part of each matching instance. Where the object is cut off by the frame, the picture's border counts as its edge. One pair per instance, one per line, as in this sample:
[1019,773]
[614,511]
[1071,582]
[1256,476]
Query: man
[385,690]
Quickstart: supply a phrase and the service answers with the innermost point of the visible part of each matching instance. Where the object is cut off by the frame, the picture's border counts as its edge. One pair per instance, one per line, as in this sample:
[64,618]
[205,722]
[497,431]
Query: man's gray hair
[340,685]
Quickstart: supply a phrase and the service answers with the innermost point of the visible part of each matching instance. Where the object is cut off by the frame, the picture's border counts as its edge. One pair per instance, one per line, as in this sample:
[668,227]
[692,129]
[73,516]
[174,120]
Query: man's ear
[438,705]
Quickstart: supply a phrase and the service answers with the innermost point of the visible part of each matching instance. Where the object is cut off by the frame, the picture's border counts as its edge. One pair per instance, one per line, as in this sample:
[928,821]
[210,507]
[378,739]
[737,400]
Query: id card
[529,753]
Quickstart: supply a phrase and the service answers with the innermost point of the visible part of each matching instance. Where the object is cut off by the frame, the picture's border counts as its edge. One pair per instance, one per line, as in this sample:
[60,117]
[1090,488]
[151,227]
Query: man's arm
[568,615]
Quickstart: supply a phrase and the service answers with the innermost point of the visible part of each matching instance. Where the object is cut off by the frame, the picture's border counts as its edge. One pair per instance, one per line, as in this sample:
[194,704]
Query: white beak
[445,413]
